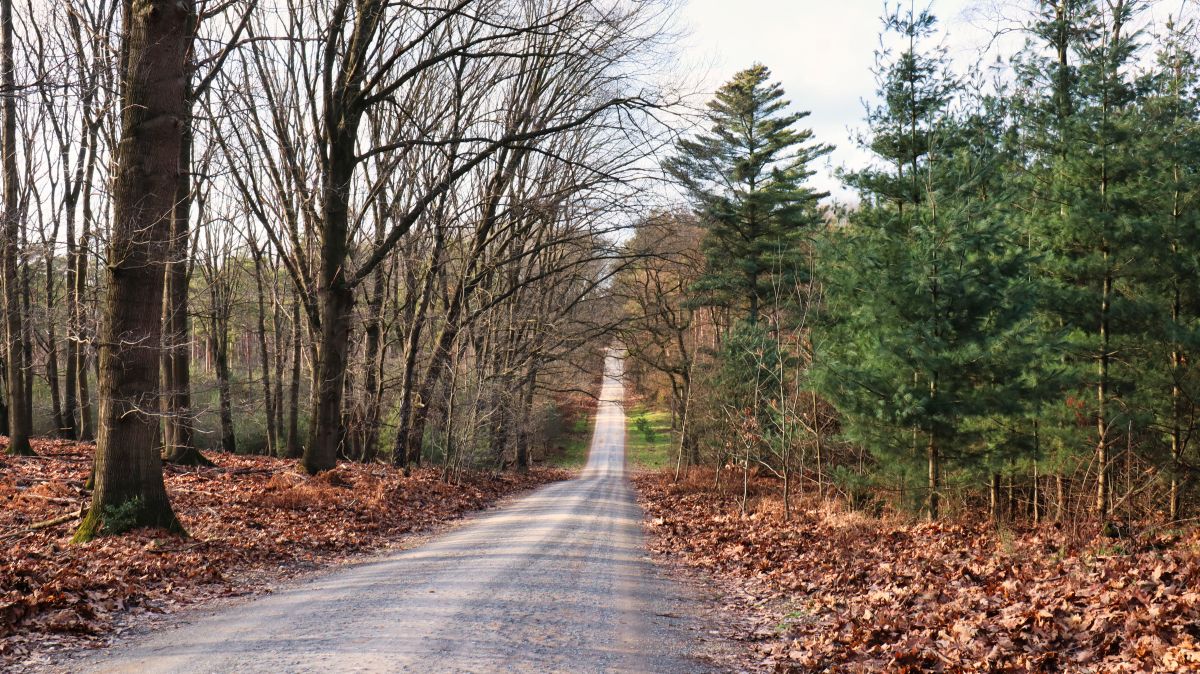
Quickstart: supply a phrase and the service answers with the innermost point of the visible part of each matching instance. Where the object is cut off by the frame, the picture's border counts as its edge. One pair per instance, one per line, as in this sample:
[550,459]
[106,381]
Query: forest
[288,280]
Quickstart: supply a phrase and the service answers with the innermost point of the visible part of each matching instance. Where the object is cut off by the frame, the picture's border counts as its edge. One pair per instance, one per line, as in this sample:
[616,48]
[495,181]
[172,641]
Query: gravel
[557,581]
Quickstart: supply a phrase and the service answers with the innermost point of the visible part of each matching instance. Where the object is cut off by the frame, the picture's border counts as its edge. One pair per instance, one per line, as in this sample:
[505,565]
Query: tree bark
[523,432]
[20,413]
[994,497]
[3,394]
[1103,487]
[221,301]
[179,444]
[128,469]
[264,354]
[56,403]
[373,361]
[335,293]
[934,476]
[293,449]
[87,429]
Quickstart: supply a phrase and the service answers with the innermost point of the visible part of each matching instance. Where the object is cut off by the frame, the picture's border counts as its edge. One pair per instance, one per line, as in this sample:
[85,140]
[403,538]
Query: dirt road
[557,581]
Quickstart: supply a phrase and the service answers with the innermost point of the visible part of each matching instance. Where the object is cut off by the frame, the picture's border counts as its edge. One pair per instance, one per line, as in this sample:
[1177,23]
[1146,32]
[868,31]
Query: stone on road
[557,581]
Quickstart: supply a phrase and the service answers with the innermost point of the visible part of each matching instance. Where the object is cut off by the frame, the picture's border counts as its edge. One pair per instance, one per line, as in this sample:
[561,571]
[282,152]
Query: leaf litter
[251,521]
[836,591]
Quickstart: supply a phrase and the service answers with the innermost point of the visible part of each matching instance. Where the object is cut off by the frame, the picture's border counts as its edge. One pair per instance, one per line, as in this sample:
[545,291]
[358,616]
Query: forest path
[557,581]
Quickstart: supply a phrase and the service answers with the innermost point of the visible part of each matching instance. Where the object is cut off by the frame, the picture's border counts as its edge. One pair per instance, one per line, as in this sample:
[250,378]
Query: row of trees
[1009,310]
[388,229]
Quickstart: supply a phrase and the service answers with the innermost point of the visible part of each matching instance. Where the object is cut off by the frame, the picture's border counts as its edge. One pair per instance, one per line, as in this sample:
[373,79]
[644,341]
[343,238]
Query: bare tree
[128,467]
[20,406]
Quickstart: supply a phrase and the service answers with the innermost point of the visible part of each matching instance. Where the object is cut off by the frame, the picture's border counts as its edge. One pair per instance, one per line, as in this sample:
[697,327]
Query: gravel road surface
[557,581]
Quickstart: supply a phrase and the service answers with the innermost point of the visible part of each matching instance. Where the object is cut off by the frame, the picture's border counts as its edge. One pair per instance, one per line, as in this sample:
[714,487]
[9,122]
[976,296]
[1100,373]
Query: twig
[46,524]
[62,519]
[52,499]
[247,471]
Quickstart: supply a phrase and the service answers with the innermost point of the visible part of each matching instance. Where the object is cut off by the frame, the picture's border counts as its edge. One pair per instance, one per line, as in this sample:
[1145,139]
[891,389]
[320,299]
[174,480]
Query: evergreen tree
[746,178]
[1168,187]
[926,338]
[1085,219]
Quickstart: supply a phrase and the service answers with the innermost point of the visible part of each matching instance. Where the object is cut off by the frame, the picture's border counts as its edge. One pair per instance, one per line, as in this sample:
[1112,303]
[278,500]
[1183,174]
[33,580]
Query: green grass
[649,442]
[575,442]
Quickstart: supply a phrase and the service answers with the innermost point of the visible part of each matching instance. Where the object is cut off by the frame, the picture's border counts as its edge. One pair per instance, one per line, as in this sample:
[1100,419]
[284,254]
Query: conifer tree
[746,178]
[1085,220]
[926,328]
[1168,187]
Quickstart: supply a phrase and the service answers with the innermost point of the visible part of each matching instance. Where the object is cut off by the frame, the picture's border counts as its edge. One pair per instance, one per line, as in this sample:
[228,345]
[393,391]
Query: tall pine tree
[746,178]
[1167,185]
[1085,219]
[927,327]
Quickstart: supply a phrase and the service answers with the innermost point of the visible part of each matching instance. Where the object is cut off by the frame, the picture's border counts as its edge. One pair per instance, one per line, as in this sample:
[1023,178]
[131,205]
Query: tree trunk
[221,328]
[3,394]
[56,407]
[336,297]
[87,429]
[277,364]
[994,496]
[1173,507]
[1036,496]
[264,355]
[934,476]
[70,394]
[1102,468]
[1060,498]
[179,443]
[20,412]
[372,362]
[400,446]
[523,432]
[128,470]
[293,427]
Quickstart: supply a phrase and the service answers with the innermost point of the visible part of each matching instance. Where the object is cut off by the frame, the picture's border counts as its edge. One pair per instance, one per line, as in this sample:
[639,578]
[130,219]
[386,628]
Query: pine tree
[1084,217]
[746,178]
[1168,189]
[926,335]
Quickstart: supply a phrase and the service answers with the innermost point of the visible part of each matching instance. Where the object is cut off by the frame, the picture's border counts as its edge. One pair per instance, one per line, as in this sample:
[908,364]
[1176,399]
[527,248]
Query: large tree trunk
[20,413]
[337,304]
[128,469]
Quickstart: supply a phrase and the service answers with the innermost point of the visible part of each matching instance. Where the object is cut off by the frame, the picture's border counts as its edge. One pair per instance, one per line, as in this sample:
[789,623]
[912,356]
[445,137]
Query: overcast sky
[821,51]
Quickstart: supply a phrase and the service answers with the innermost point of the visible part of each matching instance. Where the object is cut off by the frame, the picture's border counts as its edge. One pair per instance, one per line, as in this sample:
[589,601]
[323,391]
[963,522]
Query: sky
[821,51]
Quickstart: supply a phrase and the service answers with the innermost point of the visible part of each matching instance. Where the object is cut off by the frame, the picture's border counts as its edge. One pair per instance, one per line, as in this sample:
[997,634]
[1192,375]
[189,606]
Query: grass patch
[574,443]
[649,441]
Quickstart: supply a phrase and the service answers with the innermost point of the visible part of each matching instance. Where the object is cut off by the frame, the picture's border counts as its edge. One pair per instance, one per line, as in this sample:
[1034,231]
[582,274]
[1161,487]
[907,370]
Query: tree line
[1004,321]
[324,230]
